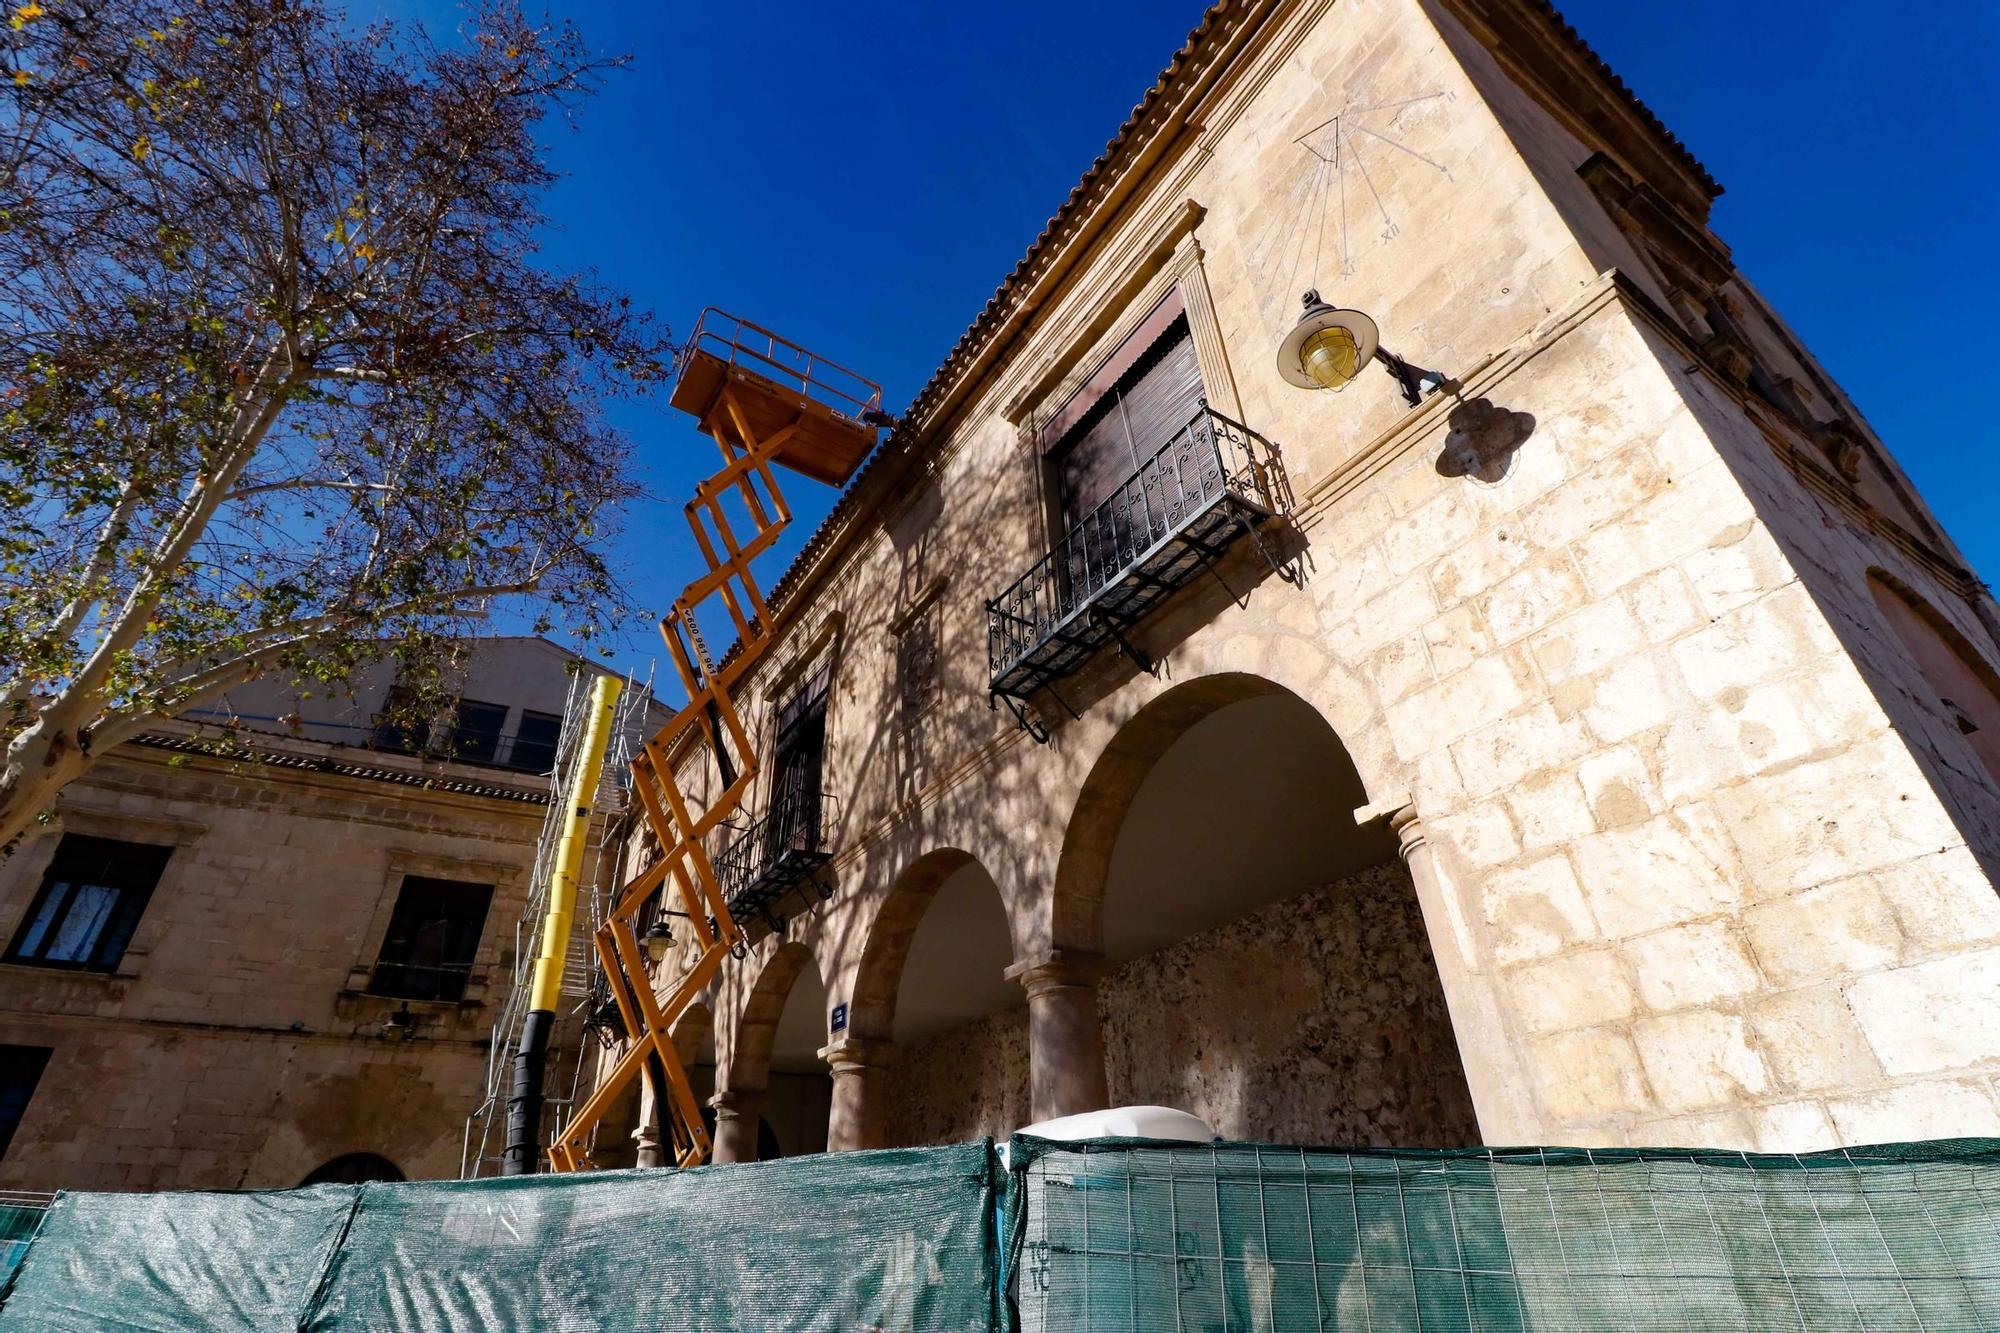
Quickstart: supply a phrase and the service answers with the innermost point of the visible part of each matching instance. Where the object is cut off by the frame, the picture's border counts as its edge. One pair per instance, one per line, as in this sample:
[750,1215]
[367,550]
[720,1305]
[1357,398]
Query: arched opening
[932,982]
[1266,964]
[776,1061]
[353,1168]
[1959,683]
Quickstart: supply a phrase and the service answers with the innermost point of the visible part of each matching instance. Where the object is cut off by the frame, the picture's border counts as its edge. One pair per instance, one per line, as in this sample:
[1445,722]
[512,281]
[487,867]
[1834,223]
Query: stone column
[736,1113]
[1501,1097]
[858,1118]
[1065,1038]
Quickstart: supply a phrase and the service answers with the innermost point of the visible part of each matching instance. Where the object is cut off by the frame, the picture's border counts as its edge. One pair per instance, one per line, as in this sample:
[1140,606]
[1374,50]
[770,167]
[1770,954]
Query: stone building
[1603,748]
[279,963]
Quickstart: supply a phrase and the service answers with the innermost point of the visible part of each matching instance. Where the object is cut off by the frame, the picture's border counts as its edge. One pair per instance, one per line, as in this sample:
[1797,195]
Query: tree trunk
[41,762]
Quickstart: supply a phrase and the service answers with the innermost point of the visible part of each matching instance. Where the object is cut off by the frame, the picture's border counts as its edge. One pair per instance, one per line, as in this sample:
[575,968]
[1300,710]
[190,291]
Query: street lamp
[1329,345]
[659,939]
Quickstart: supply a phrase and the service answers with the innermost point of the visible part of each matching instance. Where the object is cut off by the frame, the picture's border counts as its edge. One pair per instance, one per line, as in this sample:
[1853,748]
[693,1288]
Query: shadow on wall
[1482,441]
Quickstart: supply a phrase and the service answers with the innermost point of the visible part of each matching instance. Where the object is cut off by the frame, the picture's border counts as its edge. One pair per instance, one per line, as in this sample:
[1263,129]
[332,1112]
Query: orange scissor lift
[764,400]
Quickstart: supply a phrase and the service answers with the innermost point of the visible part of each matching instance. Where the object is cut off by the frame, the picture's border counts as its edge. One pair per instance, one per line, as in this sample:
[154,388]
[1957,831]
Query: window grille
[432,941]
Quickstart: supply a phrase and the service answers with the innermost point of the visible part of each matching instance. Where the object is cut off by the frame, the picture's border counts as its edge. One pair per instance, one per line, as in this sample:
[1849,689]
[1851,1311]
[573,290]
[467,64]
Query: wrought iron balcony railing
[1213,481]
[780,853]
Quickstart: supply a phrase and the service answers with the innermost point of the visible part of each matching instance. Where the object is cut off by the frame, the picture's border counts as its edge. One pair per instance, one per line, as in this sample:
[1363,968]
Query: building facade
[1600,749]
[278,962]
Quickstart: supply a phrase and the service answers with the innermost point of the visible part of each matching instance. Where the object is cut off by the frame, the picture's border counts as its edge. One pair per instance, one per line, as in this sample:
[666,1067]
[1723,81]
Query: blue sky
[860,177]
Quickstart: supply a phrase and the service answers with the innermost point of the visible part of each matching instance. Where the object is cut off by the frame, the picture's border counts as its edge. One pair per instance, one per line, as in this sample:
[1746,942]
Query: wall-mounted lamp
[1328,347]
[659,940]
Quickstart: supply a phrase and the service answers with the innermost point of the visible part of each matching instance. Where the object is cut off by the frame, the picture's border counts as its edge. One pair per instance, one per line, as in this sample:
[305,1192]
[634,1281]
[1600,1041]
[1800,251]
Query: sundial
[1337,211]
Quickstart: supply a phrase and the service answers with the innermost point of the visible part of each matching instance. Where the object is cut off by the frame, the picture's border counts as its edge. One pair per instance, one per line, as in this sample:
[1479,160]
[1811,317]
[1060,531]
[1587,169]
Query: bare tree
[280,376]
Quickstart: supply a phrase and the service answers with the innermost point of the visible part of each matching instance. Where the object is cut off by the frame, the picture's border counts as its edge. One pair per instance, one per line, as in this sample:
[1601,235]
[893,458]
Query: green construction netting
[1106,1235]
[1122,1235]
[18,1222]
[879,1240]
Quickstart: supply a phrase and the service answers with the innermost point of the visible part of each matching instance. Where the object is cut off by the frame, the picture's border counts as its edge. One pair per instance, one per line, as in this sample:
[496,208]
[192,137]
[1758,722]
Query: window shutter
[1156,396]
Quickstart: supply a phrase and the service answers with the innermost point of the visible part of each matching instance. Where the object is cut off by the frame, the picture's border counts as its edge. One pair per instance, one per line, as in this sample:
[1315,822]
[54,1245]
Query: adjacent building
[276,960]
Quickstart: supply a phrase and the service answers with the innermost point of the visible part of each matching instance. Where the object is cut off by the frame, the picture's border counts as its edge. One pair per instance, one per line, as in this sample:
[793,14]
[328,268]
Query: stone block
[1698,1058]
[1811,1039]
[1583,643]
[1943,901]
[1440,524]
[1457,639]
[1549,810]
[1405,607]
[1794,1127]
[1588,1075]
[1664,605]
[1685,966]
[1582,988]
[1536,597]
[1776,635]
[1933,1016]
[1400,668]
[1491,687]
[1483,834]
[1479,563]
[1672,869]
[1726,577]
[1535,909]
[1620,787]
[1503,753]
[1631,697]
[1835,930]
[1932,1109]
[1592,497]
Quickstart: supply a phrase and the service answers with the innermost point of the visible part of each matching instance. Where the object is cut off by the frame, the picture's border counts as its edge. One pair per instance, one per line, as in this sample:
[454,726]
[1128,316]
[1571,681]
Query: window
[916,665]
[796,764]
[475,737]
[1129,410]
[432,940]
[89,904]
[20,1070]
[395,729]
[534,749]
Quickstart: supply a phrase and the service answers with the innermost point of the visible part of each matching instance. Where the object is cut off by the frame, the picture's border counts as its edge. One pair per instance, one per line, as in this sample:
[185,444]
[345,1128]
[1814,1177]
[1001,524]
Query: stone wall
[1314,1020]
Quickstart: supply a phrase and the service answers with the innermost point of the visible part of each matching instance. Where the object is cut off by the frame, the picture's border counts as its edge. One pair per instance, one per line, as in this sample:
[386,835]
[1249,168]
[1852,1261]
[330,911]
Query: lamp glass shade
[1328,347]
[1330,356]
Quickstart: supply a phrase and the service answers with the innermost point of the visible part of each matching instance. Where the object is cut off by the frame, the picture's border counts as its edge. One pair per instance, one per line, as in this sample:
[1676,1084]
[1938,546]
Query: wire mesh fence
[1118,1235]
[1226,1237]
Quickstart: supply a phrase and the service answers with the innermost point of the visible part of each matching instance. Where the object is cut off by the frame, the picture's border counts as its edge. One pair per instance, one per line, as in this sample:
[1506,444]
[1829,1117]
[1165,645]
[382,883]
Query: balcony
[1214,481]
[778,854]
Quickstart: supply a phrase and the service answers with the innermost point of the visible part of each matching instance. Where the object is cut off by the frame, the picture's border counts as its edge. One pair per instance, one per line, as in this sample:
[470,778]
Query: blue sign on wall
[839,1023]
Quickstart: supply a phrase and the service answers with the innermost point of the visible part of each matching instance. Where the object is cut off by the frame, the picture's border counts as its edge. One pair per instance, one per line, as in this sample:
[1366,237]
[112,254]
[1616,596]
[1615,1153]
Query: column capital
[745,1102]
[1056,969]
[851,1055]
[1401,813]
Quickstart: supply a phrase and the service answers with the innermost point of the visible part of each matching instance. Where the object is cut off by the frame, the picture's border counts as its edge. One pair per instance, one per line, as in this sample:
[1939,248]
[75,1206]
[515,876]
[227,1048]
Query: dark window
[20,1069]
[432,939]
[535,742]
[90,903]
[353,1168]
[395,727]
[796,764]
[917,665]
[475,737]
[1104,439]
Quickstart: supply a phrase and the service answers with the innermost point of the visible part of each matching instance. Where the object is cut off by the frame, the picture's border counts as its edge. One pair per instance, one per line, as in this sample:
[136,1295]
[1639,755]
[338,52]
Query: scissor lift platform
[834,412]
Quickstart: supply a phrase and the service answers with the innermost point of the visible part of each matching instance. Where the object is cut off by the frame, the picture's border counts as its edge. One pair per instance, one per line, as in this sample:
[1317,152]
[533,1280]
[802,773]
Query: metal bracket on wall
[1115,626]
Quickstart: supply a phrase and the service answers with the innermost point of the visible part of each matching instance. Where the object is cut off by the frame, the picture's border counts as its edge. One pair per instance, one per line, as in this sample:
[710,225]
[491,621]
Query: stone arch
[886,950]
[1113,782]
[353,1168]
[1962,683]
[1242,948]
[748,1064]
